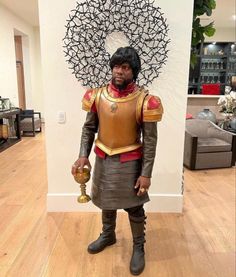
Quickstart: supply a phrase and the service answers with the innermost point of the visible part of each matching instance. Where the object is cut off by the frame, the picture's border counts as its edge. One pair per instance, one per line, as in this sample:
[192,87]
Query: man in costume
[125,117]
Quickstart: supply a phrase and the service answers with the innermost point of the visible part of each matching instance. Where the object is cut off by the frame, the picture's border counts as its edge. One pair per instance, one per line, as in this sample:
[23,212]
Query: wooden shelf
[213,56]
[212,70]
[203,96]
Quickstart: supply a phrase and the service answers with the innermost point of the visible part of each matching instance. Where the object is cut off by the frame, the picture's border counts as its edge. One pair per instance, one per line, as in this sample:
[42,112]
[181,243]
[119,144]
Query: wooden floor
[199,242]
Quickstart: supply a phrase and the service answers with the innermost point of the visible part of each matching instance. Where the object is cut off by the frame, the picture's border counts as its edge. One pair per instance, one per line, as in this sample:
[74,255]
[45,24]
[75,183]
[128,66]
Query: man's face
[122,75]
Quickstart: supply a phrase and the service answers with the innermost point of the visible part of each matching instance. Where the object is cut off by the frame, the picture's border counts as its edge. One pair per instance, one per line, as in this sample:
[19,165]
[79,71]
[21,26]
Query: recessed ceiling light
[234,17]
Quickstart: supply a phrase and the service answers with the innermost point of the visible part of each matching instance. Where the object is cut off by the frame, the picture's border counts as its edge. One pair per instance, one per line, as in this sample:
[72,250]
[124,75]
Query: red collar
[122,93]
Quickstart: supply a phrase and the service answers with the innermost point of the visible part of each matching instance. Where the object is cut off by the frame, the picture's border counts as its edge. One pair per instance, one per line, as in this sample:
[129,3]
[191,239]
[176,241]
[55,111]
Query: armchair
[29,123]
[208,146]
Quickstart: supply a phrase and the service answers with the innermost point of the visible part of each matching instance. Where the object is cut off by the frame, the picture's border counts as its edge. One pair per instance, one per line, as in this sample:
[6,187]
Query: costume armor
[120,118]
[125,117]
[152,109]
[119,129]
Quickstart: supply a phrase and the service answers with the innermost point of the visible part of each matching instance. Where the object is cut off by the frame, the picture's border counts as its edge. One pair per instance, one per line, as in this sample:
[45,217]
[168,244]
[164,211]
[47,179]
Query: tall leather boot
[137,262]
[108,236]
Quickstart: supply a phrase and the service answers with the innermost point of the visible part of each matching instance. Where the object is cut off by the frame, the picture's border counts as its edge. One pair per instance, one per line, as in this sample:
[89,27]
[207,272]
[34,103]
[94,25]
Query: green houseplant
[198,31]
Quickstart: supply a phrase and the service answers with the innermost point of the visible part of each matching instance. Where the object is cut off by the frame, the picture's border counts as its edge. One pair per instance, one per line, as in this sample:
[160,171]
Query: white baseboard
[67,202]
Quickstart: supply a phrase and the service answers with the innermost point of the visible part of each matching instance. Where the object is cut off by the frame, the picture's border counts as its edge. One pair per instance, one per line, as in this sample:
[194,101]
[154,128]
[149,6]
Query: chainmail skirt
[113,184]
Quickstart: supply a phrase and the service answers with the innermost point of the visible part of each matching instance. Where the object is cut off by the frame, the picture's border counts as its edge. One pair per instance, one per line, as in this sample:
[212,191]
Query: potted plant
[227,105]
[198,31]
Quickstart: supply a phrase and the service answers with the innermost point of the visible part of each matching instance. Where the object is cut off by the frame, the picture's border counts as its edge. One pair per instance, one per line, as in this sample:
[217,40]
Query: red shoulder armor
[88,100]
[152,109]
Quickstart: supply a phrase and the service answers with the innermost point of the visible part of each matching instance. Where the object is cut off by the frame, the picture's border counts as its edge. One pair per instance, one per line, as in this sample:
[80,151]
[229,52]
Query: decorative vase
[233,122]
[206,114]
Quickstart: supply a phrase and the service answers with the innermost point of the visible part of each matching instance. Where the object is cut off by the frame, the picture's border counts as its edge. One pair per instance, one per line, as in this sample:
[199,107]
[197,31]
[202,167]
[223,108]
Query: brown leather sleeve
[149,133]
[88,133]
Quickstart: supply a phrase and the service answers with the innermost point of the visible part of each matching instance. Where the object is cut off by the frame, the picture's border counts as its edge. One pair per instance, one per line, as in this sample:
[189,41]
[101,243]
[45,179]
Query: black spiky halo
[91,22]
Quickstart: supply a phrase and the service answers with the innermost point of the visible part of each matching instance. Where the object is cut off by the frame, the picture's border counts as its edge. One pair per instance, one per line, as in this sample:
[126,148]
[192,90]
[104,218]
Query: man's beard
[123,85]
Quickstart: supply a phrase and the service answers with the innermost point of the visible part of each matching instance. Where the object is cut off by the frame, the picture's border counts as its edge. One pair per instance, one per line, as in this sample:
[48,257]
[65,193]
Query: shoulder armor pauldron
[152,109]
[88,99]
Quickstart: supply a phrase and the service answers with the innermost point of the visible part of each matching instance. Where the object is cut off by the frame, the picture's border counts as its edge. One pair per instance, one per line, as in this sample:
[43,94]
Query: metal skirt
[113,184]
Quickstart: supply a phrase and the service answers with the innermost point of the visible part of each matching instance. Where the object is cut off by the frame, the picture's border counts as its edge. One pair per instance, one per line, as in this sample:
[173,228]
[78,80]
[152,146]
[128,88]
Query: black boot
[137,262]
[108,236]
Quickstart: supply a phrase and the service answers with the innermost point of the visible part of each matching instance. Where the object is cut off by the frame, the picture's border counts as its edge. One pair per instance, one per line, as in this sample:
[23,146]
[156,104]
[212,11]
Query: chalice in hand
[82,178]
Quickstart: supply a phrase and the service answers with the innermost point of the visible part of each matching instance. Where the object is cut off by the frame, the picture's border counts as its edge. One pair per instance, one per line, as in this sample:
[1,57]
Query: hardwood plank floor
[199,242]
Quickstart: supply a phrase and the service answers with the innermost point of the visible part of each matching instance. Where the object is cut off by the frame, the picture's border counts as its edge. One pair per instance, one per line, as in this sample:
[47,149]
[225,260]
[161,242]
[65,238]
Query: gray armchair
[208,146]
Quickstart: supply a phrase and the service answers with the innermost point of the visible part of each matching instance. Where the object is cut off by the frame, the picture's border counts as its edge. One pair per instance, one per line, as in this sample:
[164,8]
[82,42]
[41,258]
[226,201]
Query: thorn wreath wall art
[89,24]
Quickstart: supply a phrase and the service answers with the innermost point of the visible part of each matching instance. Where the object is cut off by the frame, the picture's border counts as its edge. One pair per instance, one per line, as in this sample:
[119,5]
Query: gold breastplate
[119,119]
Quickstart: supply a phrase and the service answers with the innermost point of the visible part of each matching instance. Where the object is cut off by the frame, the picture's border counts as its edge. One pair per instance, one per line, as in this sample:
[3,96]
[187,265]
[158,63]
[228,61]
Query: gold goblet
[82,178]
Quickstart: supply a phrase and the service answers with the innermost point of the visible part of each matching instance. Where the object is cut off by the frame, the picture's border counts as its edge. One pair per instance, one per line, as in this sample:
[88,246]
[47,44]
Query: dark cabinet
[12,115]
[216,64]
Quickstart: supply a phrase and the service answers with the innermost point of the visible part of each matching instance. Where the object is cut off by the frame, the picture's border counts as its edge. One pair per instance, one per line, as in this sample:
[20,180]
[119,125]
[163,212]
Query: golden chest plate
[119,130]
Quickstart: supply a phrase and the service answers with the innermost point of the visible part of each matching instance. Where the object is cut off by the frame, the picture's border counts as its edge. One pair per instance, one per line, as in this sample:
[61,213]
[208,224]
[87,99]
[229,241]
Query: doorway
[20,72]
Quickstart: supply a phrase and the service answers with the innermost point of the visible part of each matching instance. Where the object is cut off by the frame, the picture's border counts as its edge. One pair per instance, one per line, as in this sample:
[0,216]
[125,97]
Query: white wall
[64,93]
[223,35]
[37,93]
[31,56]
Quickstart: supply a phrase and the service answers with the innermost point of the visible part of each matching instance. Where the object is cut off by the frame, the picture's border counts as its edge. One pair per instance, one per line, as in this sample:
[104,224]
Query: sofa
[208,146]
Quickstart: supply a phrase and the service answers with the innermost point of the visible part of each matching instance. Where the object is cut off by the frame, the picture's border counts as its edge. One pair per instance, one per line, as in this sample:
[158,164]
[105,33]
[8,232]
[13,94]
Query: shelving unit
[216,63]
[11,113]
